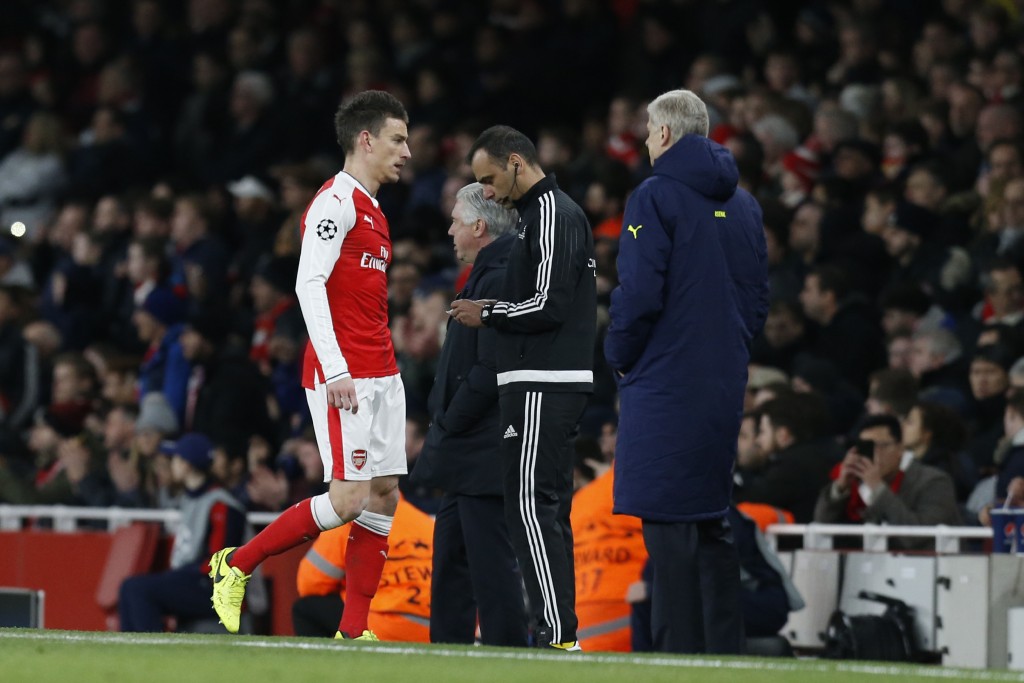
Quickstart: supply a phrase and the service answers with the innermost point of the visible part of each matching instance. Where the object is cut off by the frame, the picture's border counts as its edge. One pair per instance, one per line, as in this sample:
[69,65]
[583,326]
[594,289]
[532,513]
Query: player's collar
[363,188]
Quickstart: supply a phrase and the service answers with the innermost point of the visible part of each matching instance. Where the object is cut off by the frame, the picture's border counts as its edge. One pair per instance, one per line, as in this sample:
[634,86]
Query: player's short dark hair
[369,110]
[501,141]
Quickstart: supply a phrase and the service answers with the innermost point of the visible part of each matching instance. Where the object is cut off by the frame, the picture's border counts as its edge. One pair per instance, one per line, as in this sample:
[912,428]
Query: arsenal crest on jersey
[359,459]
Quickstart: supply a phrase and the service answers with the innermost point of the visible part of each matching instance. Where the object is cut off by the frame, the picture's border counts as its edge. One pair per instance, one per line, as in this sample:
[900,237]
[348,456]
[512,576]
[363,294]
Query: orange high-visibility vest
[610,555]
[765,515]
[400,610]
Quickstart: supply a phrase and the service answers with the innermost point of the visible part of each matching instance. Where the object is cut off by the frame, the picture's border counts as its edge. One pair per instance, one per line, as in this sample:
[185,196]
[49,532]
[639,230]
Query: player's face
[390,150]
[499,180]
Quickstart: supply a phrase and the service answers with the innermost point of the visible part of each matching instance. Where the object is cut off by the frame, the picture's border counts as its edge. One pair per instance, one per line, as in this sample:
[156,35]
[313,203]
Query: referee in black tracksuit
[546,323]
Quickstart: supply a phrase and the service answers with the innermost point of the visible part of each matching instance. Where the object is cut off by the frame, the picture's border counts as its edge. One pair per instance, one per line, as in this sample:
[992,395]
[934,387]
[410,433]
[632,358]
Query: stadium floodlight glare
[18,229]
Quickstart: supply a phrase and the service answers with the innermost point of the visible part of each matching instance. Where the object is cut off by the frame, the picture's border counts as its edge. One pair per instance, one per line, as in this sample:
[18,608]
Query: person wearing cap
[759,377]
[140,473]
[257,222]
[210,517]
[164,368]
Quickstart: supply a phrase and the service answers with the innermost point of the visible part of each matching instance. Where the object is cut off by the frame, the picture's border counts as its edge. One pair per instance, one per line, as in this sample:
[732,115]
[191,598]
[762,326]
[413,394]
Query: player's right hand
[341,394]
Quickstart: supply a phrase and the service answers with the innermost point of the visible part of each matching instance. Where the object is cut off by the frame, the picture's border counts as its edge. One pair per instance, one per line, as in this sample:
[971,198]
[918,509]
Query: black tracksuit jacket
[547,314]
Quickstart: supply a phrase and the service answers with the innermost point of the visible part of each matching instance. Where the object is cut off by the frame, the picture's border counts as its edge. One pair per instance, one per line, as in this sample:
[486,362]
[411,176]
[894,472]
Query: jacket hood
[702,165]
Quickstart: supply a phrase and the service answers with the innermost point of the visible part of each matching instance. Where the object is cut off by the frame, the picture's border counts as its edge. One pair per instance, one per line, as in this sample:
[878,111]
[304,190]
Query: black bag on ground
[886,637]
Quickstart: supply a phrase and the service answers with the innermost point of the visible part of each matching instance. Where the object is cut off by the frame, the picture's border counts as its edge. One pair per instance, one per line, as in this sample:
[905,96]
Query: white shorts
[367,444]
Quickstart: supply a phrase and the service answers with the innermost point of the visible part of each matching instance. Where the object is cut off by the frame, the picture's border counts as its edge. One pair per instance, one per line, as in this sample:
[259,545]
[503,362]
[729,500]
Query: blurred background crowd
[156,158]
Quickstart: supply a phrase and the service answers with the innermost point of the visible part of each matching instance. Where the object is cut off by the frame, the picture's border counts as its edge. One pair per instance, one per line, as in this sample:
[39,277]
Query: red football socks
[294,526]
[364,562]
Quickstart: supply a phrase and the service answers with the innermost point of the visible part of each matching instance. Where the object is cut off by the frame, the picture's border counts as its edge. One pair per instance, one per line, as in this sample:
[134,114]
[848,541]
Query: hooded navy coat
[693,273]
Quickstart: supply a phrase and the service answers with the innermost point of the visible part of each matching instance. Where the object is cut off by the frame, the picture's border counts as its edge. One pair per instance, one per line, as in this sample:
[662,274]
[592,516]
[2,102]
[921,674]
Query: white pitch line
[681,662]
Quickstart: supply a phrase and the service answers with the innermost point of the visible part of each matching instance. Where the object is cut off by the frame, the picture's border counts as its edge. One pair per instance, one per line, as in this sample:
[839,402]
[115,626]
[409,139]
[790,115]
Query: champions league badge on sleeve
[326,229]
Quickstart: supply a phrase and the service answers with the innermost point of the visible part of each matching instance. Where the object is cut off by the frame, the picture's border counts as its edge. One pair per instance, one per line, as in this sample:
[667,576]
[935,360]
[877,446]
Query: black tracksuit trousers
[537,452]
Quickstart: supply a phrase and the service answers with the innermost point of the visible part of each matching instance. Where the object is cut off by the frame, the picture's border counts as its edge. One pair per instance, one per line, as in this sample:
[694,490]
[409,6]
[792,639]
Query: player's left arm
[328,221]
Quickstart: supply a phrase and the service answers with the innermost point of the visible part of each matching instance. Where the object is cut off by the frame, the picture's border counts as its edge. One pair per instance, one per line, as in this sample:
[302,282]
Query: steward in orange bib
[610,556]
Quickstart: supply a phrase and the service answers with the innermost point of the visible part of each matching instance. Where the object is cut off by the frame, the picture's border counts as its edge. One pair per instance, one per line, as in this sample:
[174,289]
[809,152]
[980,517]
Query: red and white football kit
[342,287]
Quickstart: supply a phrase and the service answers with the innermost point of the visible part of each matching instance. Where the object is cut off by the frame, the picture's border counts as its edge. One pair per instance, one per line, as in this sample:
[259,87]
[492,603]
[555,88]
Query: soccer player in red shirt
[355,393]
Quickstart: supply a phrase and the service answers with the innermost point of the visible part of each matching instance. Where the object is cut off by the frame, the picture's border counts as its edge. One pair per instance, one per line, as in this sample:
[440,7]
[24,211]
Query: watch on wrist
[485,315]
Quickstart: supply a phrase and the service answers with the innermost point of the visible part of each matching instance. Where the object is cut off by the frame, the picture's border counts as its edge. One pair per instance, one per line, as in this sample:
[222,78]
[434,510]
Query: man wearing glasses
[879,483]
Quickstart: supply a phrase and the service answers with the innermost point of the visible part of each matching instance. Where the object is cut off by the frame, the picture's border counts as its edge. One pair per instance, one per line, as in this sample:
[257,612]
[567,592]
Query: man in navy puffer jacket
[694,291]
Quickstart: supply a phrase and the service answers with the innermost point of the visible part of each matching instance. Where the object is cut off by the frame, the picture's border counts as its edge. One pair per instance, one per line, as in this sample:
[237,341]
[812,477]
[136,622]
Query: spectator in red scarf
[889,486]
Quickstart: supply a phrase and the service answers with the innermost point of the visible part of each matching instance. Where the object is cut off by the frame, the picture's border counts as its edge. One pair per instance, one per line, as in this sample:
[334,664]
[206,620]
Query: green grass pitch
[31,656]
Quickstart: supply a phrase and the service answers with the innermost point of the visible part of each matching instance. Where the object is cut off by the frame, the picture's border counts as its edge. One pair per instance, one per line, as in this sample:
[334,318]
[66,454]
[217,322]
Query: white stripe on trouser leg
[545,577]
[527,505]
[528,511]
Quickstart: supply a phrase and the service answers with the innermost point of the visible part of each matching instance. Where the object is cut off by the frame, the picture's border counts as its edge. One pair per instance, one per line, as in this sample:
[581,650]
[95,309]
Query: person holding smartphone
[878,482]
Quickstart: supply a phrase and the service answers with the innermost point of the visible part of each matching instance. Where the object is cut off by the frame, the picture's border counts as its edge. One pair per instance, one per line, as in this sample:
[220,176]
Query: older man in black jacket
[474,567]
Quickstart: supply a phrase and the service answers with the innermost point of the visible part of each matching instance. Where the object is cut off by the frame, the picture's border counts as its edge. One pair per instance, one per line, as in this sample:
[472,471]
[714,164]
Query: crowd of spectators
[156,158]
